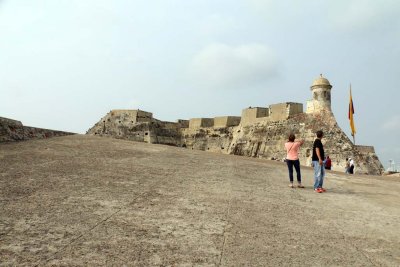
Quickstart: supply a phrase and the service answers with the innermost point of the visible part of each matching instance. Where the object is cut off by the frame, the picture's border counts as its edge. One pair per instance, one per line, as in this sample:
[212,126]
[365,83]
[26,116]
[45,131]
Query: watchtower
[321,96]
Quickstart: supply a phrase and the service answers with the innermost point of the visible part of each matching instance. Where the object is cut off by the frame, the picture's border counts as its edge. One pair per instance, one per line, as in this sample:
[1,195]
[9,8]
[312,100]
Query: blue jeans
[319,174]
[296,164]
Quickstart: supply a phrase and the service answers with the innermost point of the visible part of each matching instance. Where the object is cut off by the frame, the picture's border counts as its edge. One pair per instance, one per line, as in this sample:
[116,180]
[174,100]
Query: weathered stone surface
[259,132]
[127,124]
[12,130]
[264,139]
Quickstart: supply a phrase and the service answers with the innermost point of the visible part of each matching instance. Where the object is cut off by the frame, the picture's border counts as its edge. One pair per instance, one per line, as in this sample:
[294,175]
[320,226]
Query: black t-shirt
[318,143]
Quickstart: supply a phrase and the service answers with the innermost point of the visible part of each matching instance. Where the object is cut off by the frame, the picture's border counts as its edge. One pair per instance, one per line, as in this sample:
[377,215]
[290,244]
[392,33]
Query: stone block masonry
[183,123]
[252,115]
[260,132]
[138,125]
[12,130]
[226,121]
[201,122]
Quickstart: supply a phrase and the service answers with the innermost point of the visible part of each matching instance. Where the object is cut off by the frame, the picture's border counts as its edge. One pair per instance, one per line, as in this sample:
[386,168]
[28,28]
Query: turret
[321,96]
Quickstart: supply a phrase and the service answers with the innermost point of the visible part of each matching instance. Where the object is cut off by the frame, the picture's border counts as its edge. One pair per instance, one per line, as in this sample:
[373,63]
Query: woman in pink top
[292,159]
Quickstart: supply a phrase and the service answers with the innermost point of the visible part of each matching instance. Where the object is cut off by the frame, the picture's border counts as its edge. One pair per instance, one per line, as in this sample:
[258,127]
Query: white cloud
[392,124]
[226,67]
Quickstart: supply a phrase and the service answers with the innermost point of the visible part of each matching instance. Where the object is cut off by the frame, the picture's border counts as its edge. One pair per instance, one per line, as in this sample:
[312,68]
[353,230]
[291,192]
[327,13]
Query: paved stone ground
[91,201]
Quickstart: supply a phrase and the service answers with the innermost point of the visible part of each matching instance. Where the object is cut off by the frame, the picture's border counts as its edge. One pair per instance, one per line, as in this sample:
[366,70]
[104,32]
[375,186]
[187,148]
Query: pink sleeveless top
[293,154]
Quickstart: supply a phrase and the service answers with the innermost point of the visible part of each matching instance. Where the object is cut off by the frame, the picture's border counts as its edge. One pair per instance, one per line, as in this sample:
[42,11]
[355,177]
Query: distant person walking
[351,166]
[328,163]
[347,165]
[292,159]
[318,163]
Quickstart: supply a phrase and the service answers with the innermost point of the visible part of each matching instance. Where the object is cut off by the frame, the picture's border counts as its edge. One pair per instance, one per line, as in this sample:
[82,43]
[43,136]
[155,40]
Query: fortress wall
[143,116]
[226,121]
[201,123]
[115,122]
[259,132]
[132,114]
[262,120]
[310,106]
[278,111]
[39,133]
[207,122]
[317,106]
[295,108]
[10,122]
[365,158]
[170,125]
[267,141]
[13,130]
[264,138]
[283,111]
[171,136]
[183,123]
[121,116]
[365,149]
[124,124]
[250,115]
[123,113]
[208,139]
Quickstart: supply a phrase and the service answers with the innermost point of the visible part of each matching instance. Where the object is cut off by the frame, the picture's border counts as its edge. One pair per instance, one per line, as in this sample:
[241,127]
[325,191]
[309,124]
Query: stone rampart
[12,130]
[253,115]
[201,123]
[274,112]
[183,123]
[133,115]
[283,111]
[266,140]
[226,121]
[138,126]
[208,139]
[365,149]
[295,108]
[259,132]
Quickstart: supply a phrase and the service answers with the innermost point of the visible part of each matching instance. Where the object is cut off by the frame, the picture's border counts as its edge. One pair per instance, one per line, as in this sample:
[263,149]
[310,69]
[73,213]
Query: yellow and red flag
[351,113]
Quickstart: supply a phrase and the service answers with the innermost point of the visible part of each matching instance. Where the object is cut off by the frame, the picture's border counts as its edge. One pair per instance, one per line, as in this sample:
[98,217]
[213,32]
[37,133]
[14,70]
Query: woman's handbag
[285,159]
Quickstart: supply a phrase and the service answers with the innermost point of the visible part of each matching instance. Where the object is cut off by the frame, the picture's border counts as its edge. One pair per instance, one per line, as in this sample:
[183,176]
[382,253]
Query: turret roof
[321,81]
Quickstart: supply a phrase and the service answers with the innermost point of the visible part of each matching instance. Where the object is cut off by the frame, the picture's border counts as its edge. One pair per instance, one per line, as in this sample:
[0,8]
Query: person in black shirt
[318,156]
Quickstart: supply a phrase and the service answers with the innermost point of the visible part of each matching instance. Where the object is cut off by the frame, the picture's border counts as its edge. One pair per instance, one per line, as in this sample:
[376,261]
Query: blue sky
[64,64]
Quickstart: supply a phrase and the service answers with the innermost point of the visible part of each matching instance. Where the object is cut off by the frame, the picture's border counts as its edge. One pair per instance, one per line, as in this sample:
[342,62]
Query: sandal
[291,185]
[300,186]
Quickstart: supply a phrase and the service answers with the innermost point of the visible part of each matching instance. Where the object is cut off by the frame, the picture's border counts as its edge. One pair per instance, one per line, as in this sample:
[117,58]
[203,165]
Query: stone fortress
[259,132]
[12,130]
